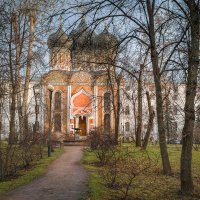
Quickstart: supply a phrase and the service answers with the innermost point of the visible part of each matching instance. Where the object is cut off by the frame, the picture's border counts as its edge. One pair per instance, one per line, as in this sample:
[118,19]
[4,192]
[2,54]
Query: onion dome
[106,39]
[82,36]
[59,39]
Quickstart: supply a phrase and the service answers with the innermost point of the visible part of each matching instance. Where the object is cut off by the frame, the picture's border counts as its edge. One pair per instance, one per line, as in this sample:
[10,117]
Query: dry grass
[149,186]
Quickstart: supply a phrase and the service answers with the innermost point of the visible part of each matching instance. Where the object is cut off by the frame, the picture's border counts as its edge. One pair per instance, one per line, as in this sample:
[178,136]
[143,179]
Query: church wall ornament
[55,77]
[81,103]
[81,77]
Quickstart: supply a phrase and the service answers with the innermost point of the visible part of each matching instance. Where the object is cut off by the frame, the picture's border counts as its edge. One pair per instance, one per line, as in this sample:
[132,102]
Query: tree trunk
[16,24]
[12,117]
[117,112]
[167,118]
[115,100]
[28,76]
[13,93]
[0,124]
[150,123]
[187,133]
[159,100]
[139,115]
[134,112]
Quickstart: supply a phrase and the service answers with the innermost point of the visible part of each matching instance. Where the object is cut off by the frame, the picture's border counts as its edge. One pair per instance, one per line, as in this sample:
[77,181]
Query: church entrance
[82,126]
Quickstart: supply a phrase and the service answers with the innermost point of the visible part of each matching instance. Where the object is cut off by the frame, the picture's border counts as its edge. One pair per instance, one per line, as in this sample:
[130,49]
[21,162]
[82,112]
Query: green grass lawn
[25,176]
[151,186]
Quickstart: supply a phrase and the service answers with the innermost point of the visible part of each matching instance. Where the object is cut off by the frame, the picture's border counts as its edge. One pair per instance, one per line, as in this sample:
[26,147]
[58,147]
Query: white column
[77,122]
[62,121]
[68,107]
[87,125]
[96,106]
[42,110]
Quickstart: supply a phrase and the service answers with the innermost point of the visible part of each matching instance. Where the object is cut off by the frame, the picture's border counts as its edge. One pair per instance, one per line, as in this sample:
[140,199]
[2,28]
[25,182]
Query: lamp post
[50,89]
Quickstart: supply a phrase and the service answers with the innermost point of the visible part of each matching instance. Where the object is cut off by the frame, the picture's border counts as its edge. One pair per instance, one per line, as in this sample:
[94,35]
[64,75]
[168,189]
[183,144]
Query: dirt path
[65,179]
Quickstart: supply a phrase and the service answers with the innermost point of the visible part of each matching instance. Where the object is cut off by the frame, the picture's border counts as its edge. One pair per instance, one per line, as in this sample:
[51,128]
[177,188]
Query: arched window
[57,122]
[107,102]
[54,58]
[60,58]
[127,110]
[57,101]
[107,123]
[127,126]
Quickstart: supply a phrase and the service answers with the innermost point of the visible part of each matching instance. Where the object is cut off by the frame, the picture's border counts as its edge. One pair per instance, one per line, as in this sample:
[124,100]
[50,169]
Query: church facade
[80,97]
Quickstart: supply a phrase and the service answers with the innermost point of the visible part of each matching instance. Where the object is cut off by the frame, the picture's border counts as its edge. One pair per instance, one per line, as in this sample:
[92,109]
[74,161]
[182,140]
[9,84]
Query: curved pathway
[65,179]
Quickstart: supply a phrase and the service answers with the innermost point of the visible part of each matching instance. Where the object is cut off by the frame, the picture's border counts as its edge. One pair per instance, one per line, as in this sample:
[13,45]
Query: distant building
[173,107]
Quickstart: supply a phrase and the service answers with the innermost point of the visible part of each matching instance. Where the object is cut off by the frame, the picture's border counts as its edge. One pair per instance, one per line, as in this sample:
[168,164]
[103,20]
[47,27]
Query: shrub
[20,155]
[122,168]
[102,144]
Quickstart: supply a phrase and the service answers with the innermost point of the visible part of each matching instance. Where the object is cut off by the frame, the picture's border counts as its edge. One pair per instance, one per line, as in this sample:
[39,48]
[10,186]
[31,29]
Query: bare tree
[139,114]
[114,79]
[191,11]
[150,122]
[32,21]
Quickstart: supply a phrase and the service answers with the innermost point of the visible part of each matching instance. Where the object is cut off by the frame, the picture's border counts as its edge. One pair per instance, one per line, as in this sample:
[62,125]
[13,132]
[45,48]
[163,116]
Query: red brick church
[81,96]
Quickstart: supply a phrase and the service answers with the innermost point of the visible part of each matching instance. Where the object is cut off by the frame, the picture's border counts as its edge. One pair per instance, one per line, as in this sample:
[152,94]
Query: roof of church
[59,39]
[83,37]
[105,38]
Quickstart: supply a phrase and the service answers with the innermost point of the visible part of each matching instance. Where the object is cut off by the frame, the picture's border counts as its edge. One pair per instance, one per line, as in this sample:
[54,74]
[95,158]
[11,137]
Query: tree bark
[187,133]
[28,76]
[139,114]
[117,112]
[167,119]
[150,122]
[13,93]
[115,100]
[159,100]
[135,116]
[16,25]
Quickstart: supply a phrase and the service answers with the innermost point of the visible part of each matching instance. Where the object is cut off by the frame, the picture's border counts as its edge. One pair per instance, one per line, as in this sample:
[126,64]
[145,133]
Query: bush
[8,160]
[111,173]
[122,168]
[102,144]
[20,155]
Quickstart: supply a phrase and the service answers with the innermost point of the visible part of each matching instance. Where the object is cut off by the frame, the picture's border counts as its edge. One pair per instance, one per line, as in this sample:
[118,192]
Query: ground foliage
[20,155]
[131,173]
